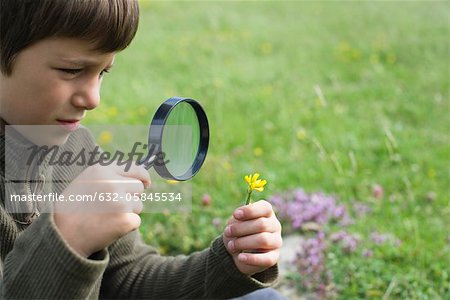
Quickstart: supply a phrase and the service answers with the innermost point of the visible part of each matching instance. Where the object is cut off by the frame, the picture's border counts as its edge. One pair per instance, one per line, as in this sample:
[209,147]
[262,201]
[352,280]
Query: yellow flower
[227,166]
[112,111]
[266,48]
[258,151]
[254,184]
[143,111]
[105,137]
[391,58]
[301,134]
[217,82]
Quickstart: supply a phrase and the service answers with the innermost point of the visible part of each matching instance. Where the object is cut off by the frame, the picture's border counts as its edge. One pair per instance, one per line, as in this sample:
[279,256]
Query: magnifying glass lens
[180,131]
[181,139]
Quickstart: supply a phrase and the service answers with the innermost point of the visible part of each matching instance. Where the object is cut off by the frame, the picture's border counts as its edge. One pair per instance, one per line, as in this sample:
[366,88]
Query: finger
[260,241]
[118,203]
[226,238]
[131,185]
[232,220]
[134,221]
[266,260]
[239,229]
[255,210]
[139,173]
[136,206]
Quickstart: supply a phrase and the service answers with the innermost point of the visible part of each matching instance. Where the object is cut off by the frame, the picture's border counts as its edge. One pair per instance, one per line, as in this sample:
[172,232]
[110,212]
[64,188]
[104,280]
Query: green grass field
[328,96]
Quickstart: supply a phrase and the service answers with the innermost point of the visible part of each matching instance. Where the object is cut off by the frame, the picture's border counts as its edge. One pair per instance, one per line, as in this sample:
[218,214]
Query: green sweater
[36,262]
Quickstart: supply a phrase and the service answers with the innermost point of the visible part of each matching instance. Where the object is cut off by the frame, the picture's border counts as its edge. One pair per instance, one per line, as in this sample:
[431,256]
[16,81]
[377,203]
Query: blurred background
[342,106]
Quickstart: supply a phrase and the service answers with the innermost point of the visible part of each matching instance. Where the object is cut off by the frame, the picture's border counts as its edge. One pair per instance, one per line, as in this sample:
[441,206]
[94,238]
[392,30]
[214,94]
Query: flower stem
[249,195]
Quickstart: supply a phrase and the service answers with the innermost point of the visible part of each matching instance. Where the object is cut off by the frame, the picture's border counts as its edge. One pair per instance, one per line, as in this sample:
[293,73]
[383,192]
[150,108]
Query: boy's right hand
[89,227]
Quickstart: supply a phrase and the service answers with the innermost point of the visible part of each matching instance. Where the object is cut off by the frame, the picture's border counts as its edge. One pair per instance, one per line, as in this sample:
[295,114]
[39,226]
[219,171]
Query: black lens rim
[156,131]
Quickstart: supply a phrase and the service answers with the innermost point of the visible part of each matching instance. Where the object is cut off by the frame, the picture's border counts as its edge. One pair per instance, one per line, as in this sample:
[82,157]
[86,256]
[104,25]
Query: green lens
[181,138]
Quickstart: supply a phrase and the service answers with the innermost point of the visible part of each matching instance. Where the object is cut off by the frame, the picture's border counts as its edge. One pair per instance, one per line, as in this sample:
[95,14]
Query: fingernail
[231,246]
[239,214]
[242,257]
[228,231]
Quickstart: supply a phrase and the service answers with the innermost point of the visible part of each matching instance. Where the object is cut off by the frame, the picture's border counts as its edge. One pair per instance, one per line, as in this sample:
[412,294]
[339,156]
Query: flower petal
[259,189]
[255,177]
[259,183]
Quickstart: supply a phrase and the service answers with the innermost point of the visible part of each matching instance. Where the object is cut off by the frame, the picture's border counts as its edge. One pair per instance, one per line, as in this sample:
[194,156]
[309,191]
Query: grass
[328,96]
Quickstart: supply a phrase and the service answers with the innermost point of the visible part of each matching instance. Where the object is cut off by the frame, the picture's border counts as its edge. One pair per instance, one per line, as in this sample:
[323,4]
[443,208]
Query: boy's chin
[44,135]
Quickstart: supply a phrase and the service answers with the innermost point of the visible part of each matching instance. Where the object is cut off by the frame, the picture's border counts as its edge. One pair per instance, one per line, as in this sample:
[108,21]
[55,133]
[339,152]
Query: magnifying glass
[179,131]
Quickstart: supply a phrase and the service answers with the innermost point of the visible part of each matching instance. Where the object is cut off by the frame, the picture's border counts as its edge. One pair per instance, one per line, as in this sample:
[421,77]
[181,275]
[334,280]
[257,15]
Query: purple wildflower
[339,211]
[347,241]
[360,209]
[313,213]
[350,243]
[217,222]
[300,208]
[338,236]
[206,200]
[367,253]
[311,263]
[382,238]
[378,238]
[346,221]
[280,206]
[377,191]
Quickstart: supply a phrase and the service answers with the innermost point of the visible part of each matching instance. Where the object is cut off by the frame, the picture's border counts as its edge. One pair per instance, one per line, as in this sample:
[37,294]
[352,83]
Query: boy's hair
[110,25]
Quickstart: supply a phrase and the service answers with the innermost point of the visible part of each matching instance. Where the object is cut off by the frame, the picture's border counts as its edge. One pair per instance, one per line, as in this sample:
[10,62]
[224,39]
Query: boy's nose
[88,96]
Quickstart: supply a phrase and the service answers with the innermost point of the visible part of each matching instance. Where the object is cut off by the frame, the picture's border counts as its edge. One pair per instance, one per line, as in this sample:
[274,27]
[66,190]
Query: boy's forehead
[78,51]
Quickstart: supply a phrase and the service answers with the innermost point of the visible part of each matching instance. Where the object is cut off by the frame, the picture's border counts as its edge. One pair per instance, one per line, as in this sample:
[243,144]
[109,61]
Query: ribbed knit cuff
[227,281]
[42,265]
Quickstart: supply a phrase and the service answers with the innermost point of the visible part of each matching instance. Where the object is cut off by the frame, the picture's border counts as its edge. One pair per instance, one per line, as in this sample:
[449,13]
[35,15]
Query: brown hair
[110,25]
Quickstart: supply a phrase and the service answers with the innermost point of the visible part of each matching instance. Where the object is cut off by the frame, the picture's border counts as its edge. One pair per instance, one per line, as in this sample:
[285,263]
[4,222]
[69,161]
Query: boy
[53,56]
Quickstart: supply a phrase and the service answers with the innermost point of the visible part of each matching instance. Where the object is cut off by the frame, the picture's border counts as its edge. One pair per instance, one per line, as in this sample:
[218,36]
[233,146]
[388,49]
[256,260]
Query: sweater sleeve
[137,271]
[42,266]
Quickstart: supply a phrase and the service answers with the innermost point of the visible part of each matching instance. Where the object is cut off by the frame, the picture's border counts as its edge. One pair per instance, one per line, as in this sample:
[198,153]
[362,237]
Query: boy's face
[53,82]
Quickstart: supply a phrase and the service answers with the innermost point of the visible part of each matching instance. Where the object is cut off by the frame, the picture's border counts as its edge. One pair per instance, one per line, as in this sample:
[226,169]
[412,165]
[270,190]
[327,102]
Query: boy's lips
[69,124]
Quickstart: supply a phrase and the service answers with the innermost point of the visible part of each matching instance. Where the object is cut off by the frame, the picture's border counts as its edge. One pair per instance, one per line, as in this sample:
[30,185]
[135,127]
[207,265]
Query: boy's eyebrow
[85,62]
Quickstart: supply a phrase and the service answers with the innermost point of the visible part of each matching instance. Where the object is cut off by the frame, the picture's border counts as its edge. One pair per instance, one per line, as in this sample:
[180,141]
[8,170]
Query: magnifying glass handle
[148,161]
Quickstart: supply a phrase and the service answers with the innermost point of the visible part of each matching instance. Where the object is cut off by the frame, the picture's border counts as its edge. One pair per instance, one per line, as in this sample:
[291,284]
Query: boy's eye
[70,71]
[76,71]
[103,72]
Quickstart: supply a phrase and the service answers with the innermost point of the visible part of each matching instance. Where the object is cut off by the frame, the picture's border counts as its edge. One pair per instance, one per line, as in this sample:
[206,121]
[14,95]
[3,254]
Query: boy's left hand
[253,237]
